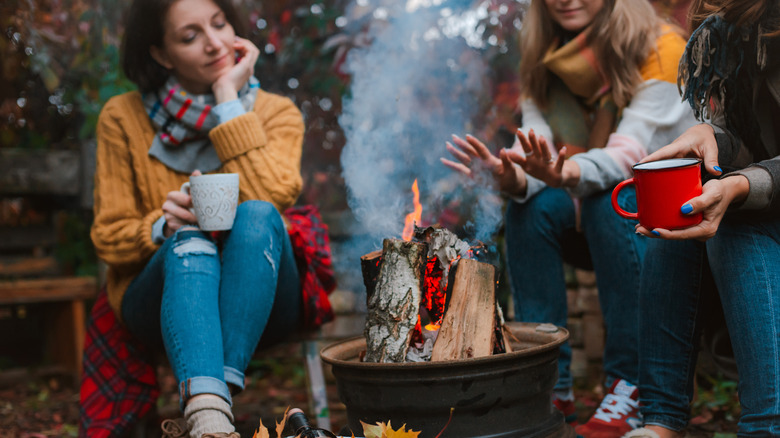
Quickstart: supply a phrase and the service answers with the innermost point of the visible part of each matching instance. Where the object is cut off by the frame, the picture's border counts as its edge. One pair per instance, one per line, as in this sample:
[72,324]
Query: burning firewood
[394,304]
[415,295]
[468,328]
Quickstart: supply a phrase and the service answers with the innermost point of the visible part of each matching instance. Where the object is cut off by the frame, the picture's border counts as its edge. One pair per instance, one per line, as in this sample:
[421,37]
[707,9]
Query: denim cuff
[666,421]
[202,385]
[234,377]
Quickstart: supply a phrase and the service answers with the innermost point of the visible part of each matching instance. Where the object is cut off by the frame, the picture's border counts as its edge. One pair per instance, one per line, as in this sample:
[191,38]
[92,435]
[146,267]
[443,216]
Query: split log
[468,328]
[395,303]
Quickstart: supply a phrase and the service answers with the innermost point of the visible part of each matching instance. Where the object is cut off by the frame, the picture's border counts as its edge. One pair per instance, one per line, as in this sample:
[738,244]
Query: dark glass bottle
[300,426]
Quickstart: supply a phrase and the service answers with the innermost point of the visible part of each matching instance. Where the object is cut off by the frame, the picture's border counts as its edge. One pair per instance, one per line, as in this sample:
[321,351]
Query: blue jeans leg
[745,260]
[210,318]
[260,289]
[534,234]
[189,322]
[671,299]
[617,253]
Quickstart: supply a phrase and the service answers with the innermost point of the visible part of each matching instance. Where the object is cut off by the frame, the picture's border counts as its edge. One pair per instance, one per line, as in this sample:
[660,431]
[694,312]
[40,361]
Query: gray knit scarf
[183,122]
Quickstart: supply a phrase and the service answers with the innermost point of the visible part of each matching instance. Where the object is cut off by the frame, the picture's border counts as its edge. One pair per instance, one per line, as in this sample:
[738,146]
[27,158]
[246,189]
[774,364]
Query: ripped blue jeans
[209,308]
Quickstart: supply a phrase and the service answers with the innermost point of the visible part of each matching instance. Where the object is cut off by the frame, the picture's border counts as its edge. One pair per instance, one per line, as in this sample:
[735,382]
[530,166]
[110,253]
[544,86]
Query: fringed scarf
[580,109]
[718,71]
[183,122]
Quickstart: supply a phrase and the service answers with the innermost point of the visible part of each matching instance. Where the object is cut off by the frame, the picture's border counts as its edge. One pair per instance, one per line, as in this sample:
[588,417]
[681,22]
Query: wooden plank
[23,172]
[468,327]
[46,290]
[26,238]
[21,267]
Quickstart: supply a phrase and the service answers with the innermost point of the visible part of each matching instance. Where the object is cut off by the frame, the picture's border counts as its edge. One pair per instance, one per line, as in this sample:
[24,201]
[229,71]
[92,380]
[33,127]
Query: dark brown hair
[739,12]
[144,28]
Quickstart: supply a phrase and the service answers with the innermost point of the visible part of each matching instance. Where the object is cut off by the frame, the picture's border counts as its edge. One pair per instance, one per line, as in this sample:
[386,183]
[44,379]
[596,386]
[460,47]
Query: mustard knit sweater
[263,146]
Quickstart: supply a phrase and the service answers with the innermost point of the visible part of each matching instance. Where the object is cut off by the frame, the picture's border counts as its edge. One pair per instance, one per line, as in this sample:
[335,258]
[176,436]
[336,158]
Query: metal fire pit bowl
[500,396]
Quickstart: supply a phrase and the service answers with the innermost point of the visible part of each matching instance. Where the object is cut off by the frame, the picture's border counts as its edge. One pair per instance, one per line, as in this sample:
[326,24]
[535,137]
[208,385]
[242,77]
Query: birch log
[395,303]
[468,326]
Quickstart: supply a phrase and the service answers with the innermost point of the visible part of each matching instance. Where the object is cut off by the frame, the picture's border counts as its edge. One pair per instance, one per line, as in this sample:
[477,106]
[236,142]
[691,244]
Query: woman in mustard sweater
[206,299]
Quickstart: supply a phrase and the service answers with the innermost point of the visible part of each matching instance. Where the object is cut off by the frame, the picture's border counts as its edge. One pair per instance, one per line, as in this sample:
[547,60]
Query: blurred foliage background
[59,61]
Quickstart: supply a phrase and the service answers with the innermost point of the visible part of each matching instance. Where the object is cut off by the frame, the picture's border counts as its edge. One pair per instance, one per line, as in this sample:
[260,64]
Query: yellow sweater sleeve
[121,233]
[264,146]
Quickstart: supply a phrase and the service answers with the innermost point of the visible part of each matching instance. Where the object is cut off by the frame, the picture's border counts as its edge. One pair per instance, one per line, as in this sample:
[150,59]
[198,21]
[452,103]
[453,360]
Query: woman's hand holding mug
[176,210]
[716,195]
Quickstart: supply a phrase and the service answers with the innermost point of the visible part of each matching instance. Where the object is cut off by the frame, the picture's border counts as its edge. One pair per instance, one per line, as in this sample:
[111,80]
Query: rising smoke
[420,79]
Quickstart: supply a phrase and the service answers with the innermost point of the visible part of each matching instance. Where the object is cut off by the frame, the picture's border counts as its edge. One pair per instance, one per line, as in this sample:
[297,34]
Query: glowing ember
[434,293]
[415,216]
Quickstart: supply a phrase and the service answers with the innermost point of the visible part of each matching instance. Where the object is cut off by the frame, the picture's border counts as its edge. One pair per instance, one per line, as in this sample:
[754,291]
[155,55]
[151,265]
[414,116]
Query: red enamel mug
[662,187]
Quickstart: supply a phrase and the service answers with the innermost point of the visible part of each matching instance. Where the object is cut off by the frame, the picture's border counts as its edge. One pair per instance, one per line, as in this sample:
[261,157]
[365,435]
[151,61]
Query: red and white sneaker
[568,410]
[617,414]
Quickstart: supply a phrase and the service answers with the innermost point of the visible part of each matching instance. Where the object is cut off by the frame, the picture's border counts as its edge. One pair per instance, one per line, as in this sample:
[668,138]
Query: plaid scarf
[119,382]
[183,122]
[580,109]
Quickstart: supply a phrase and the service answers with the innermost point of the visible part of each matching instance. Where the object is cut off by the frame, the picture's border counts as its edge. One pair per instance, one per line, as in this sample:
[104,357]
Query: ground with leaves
[37,404]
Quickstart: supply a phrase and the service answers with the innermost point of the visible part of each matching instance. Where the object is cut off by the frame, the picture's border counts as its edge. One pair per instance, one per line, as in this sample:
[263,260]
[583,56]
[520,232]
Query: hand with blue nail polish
[715,199]
[697,142]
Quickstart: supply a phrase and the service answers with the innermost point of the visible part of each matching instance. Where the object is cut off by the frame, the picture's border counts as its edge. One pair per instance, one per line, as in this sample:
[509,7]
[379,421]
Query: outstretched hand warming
[472,156]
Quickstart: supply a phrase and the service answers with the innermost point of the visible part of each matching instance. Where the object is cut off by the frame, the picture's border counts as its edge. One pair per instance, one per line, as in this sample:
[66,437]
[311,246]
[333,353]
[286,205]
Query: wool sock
[208,414]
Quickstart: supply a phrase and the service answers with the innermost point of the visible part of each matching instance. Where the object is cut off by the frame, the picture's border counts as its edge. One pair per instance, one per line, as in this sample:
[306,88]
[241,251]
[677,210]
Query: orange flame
[415,216]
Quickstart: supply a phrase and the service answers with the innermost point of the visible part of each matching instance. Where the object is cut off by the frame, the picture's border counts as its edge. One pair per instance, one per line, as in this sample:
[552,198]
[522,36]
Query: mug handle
[185,188]
[615,205]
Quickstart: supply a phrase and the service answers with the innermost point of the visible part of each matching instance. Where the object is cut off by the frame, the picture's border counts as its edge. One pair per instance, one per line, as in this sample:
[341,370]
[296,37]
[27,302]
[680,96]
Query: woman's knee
[190,250]
[258,218]
[258,211]
[545,209]
[598,207]
[190,241]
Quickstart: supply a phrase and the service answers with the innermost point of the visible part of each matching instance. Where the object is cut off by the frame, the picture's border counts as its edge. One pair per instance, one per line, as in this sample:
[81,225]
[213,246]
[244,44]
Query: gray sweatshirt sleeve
[763,177]
[654,118]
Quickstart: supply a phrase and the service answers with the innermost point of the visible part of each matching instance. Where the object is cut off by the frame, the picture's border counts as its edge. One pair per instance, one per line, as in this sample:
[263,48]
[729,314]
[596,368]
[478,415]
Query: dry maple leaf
[380,430]
[261,432]
[280,426]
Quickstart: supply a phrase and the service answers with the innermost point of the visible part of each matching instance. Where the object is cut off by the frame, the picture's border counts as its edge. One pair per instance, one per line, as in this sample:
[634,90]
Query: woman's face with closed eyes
[197,44]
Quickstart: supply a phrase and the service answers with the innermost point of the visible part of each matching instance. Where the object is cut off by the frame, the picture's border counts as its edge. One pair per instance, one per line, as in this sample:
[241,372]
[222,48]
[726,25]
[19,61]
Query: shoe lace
[614,406]
[176,428]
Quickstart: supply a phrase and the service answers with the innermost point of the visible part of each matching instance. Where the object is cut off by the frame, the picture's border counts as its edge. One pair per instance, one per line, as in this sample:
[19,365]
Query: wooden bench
[30,275]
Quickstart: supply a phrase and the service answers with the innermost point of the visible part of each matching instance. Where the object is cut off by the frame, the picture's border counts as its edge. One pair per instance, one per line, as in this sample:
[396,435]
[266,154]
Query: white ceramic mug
[214,199]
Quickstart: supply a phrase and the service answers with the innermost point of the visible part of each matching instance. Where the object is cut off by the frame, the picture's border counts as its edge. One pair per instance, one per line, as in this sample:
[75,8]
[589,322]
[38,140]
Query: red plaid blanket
[119,382]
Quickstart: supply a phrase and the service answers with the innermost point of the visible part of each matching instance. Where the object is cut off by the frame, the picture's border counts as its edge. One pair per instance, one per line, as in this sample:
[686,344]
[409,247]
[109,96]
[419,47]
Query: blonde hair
[622,35]
[739,12]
